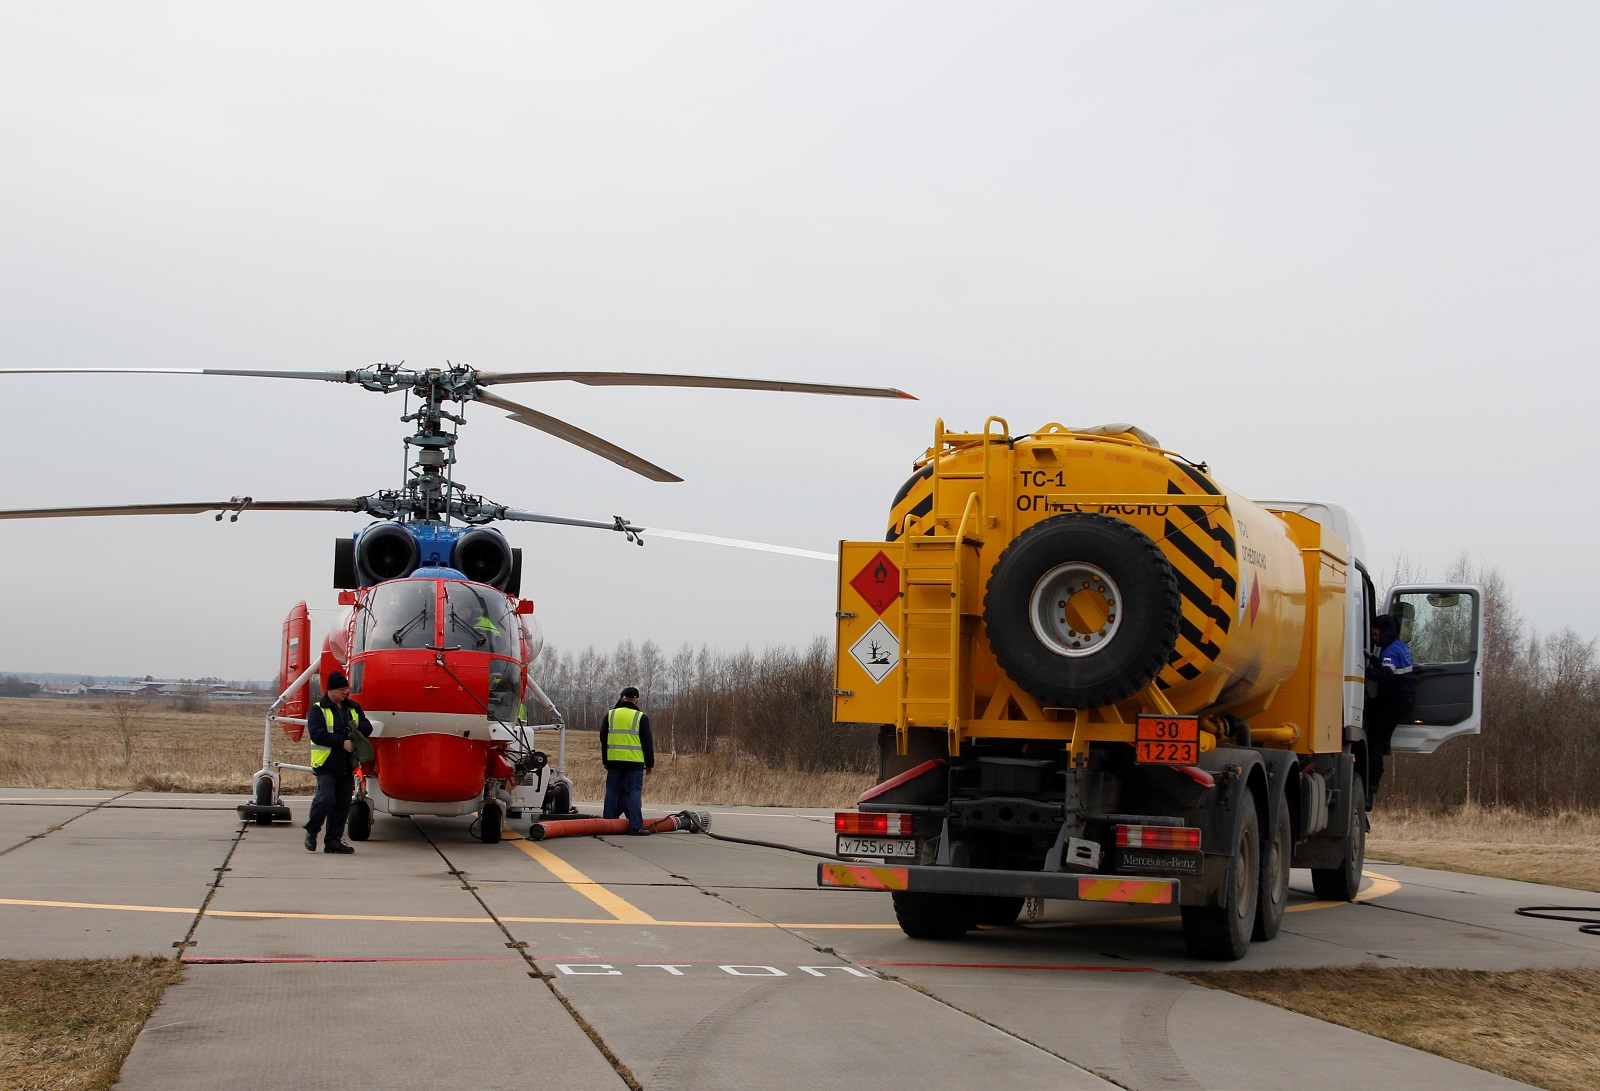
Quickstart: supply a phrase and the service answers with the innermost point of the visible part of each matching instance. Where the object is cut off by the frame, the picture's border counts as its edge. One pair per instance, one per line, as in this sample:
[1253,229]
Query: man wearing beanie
[331,721]
[628,754]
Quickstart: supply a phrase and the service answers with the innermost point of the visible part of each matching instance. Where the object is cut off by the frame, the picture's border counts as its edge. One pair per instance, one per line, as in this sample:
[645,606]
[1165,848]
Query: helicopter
[435,638]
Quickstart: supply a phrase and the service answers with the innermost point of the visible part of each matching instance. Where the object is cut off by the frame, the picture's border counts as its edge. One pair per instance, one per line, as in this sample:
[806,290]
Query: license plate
[1167,740]
[877,846]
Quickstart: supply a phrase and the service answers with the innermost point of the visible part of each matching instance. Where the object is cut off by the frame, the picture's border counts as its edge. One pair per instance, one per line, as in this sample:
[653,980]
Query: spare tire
[1082,610]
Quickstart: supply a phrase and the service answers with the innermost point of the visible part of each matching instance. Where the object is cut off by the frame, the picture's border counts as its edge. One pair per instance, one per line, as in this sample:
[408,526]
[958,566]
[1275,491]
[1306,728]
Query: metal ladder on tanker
[938,615]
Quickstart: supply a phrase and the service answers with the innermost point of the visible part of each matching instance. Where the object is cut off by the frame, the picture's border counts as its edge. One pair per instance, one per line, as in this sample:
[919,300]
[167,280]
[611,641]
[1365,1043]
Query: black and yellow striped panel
[1198,543]
[914,498]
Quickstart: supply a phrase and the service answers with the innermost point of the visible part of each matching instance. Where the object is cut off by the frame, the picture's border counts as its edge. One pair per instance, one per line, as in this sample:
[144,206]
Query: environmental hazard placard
[877,651]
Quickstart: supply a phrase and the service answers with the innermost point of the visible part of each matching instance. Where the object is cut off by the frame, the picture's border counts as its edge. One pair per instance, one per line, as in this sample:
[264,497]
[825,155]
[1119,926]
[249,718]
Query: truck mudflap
[1014,884]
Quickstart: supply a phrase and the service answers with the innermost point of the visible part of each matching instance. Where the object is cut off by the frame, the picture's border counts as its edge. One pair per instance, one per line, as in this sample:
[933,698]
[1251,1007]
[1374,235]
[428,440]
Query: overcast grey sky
[1345,252]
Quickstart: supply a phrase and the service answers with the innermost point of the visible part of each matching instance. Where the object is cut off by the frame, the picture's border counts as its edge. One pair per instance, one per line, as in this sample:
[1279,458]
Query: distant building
[62,689]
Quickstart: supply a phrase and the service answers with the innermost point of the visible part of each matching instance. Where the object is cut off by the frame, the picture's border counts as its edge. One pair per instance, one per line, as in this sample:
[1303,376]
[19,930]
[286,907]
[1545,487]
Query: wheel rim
[1075,609]
[1242,876]
[1276,863]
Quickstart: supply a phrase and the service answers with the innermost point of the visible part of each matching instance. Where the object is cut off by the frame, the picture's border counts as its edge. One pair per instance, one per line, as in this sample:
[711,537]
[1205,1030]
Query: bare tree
[127,715]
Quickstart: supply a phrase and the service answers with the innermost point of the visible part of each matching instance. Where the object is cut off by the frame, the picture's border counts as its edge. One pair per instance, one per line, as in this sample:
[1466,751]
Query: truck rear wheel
[1082,610]
[1275,857]
[934,916]
[1222,932]
[1343,883]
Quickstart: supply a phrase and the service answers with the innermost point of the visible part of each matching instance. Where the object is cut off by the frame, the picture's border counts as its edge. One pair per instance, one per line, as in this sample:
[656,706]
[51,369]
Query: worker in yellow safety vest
[331,722]
[628,753]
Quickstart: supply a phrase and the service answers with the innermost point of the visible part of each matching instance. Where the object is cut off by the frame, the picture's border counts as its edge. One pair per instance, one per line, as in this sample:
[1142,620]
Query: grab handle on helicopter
[294,687]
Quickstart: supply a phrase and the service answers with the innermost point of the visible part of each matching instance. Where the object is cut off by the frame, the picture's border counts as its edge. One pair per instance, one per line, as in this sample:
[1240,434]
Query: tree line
[775,705]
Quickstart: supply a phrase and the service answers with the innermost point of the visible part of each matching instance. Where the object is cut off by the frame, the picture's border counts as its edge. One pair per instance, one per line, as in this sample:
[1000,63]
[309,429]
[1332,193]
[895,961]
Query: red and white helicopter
[437,641]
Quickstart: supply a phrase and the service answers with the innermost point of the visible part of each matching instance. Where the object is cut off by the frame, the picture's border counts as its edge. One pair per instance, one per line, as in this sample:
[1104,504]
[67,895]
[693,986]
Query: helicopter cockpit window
[480,619]
[398,614]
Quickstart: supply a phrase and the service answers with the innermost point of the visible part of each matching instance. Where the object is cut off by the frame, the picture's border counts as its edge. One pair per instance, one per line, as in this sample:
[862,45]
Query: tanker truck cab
[1100,675]
[1442,623]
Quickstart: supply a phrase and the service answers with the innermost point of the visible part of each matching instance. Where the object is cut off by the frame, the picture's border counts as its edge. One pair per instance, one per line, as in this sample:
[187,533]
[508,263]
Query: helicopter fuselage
[440,665]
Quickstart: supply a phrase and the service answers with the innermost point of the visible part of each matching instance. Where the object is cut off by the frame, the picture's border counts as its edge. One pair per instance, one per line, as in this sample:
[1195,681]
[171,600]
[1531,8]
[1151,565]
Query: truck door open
[1444,627]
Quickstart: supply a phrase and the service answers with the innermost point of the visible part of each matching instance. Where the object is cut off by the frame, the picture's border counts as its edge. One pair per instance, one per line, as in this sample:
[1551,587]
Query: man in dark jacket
[331,722]
[628,753]
[1393,685]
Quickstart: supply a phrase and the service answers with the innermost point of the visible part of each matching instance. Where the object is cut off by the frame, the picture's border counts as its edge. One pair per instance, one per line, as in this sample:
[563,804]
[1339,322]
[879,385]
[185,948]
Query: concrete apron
[694,962]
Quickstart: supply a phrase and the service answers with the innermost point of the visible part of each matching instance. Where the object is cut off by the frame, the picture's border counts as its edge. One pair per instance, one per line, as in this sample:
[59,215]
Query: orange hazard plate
[1167,740]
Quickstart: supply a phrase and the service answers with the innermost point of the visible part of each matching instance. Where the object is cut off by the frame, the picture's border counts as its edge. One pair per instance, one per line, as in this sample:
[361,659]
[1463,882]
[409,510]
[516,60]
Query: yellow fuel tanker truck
[1102,676]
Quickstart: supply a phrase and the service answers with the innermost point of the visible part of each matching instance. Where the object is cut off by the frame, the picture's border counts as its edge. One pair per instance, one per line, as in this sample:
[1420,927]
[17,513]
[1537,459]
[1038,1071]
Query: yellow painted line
[92,905]
[625,912]
[261,914]
[1381,885]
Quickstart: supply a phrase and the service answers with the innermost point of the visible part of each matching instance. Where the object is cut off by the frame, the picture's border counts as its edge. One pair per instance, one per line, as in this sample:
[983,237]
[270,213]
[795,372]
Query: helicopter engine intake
[386,552]
[483,556]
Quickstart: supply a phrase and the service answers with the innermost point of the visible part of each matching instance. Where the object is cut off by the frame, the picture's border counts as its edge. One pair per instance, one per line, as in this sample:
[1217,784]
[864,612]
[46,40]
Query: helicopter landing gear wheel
[492,820]
[262,797]
[359,824]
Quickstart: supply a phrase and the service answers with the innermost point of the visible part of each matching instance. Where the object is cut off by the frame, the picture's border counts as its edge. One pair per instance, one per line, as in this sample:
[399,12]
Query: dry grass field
[1560,850]
[67,1025]
[1537,1026]
[155,746]
[137,745]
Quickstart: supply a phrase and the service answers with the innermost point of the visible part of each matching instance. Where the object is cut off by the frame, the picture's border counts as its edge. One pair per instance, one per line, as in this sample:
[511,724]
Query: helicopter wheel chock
[359,824]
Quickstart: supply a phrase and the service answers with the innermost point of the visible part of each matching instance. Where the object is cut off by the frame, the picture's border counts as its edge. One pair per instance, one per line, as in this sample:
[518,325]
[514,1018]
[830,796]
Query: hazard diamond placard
[878,583]
[877,651]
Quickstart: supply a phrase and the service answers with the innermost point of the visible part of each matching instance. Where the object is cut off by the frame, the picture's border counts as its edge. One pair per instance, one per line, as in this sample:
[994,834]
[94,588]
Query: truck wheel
[997,911]
[1082,610]
[1222,932]
[1343,883]
[1275,857]
[934,916]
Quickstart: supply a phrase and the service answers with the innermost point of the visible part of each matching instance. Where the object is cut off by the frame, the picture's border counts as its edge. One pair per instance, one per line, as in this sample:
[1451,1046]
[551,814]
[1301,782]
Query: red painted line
[1021,966]
[226,961]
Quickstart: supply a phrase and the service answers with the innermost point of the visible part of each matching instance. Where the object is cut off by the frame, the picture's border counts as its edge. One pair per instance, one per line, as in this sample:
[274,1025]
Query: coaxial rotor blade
[635,532]
[535,517]
[740,543]
[236,505]
[575,435]
[711,382]
[326,376]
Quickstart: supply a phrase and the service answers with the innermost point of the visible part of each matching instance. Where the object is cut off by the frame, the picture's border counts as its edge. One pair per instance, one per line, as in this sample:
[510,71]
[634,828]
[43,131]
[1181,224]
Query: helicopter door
[1444,628]
[295,657]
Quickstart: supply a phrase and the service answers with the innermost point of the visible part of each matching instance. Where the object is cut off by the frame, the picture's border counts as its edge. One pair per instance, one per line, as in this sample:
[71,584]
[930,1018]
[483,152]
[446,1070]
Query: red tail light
[872,825]
[1183,838]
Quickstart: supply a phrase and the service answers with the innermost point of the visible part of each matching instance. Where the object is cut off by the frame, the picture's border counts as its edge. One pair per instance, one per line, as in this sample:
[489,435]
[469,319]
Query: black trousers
[331,804]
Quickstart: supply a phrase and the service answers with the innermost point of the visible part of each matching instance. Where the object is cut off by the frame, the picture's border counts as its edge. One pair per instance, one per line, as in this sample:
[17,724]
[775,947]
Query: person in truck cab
[1392,695]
